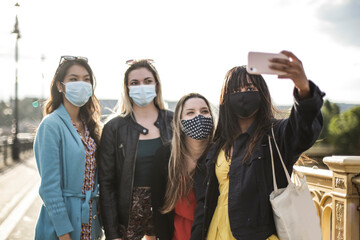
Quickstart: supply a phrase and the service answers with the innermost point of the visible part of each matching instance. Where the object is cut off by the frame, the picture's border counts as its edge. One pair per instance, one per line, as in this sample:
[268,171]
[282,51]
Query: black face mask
[244,104]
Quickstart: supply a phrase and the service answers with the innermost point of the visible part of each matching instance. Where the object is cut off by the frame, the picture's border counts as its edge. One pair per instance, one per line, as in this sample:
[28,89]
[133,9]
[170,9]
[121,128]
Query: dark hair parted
[90,112]
[228,126]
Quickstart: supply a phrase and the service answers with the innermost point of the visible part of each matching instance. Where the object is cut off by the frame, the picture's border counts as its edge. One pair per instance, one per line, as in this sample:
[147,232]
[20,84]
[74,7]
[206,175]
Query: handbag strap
[272,160]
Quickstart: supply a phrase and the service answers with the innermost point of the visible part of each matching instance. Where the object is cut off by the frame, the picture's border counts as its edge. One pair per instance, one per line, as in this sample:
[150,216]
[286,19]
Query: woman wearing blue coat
[65,149]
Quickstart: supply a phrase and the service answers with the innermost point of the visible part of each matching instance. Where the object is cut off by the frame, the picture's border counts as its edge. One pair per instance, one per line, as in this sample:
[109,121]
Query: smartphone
[258,63]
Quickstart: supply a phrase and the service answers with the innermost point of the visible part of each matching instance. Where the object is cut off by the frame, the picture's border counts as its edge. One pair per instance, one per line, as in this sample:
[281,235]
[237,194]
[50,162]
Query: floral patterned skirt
[140,221]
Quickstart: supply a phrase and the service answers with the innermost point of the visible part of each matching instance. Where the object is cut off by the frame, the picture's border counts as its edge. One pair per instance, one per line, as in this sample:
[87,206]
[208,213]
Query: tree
[344,132]
[329,111]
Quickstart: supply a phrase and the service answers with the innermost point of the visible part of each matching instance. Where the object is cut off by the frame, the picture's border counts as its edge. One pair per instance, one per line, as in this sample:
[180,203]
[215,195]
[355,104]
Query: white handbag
[294,211]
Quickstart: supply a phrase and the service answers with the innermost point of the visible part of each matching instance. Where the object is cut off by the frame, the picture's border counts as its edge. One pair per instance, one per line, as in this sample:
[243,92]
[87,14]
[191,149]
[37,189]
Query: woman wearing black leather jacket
[236,202]
[128,144]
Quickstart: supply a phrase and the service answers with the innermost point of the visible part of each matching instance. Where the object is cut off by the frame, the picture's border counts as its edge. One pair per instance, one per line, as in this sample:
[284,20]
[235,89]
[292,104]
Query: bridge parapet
[335,194]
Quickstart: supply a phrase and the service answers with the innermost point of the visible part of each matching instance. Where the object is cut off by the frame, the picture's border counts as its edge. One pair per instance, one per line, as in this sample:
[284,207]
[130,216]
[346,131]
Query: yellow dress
[220,226]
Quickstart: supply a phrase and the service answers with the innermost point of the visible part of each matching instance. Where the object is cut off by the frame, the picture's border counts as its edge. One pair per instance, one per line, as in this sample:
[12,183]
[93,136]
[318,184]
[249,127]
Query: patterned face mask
[198,128]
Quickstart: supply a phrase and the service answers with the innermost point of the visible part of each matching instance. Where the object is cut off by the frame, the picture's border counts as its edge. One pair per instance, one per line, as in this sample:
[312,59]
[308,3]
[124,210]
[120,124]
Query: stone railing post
[345,200]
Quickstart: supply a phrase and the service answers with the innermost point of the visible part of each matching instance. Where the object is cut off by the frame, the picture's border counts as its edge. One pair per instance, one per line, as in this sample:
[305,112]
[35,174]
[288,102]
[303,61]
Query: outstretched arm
[300,131]
[294,70]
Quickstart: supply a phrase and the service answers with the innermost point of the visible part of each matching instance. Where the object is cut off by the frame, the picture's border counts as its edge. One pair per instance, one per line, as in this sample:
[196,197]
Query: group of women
[151,173]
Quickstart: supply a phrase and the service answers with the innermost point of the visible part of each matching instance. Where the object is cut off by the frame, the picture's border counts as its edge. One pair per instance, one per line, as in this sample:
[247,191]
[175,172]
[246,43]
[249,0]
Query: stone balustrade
[335,193]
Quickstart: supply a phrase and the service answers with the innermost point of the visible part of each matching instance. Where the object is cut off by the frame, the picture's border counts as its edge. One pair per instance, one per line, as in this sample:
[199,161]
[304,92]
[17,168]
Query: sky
[193,43]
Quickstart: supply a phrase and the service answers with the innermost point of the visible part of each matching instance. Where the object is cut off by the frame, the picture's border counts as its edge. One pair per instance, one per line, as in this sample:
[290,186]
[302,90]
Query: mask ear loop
[60,90]
[64,87]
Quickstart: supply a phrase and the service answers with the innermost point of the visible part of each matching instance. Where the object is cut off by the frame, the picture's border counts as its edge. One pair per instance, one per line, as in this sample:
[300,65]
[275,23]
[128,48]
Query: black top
[144,160]
[250,183]
[163,223]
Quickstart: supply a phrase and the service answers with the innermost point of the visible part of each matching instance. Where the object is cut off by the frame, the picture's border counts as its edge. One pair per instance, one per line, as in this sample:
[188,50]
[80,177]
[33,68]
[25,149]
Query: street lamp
[42,76]
[16,144]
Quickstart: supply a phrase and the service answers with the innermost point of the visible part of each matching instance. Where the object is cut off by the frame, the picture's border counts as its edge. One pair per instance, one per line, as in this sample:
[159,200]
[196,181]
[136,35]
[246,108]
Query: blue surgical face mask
[78,93]
[142,95]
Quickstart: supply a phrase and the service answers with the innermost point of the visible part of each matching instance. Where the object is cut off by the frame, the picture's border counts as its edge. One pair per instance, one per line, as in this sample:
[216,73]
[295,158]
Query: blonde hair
[180,181]
[124,106]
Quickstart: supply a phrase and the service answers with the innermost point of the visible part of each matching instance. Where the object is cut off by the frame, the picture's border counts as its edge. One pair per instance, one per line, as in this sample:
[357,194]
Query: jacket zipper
[132,180]
[205,230]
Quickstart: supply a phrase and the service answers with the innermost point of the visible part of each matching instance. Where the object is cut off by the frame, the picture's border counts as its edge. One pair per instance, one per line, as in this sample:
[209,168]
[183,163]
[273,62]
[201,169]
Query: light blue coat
[60,157]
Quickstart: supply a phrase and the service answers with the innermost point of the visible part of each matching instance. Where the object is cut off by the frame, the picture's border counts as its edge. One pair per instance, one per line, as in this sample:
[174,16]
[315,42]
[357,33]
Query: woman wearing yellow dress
[235,204]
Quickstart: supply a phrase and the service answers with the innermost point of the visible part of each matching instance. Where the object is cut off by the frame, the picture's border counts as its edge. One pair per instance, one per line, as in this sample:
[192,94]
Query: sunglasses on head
[71,58]
[132,61]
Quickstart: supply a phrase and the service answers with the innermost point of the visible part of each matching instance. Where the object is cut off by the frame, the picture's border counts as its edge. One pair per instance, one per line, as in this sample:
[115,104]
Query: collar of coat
[65,118]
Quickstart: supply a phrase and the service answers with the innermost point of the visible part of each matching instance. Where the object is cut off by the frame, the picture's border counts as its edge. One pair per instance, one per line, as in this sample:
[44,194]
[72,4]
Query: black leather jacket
[118,147]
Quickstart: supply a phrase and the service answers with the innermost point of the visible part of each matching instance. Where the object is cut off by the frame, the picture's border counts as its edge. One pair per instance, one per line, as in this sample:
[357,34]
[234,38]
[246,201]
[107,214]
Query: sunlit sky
[193,42]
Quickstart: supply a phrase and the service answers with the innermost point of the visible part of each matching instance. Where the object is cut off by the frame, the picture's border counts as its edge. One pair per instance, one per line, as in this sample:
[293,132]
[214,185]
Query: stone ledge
[348,164]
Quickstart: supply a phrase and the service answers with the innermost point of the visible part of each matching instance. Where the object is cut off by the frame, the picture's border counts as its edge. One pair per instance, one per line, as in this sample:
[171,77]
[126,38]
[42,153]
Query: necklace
[79,126]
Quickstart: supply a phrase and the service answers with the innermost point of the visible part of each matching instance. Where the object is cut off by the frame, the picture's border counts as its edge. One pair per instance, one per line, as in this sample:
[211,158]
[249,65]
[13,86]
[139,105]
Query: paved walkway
[19,202]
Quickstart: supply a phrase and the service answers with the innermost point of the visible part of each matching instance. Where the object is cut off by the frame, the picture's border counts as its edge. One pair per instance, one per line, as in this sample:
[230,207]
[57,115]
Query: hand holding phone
[258,63]
[284,64]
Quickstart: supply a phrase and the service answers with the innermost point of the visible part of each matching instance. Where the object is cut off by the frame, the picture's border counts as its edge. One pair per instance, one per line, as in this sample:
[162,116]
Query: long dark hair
[228,127]
[90,112]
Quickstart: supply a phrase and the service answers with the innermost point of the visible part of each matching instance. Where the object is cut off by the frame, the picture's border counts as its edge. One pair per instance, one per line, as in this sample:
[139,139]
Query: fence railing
[335,194]
[25,145]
